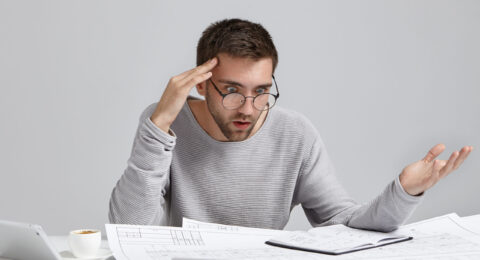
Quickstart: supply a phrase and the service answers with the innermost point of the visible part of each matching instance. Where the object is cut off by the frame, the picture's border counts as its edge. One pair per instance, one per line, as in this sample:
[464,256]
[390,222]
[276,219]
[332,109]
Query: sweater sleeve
[139,196]
[325,201]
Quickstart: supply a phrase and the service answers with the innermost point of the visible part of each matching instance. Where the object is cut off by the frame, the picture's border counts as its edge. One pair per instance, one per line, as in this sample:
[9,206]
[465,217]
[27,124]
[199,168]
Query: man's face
[242,75]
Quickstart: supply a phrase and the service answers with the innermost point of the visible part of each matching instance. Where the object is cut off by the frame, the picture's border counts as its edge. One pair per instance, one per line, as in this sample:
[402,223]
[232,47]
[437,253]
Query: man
[235,158]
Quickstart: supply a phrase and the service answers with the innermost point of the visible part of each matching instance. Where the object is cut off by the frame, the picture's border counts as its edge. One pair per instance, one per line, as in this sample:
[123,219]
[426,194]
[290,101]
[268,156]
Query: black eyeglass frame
[276,96]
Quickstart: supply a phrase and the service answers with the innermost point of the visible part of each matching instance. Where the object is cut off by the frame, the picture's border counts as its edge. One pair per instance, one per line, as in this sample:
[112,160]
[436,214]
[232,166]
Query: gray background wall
[383,81]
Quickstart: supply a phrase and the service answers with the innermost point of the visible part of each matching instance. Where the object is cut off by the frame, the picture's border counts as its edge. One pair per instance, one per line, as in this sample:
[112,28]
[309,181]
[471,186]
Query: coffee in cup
[85,242]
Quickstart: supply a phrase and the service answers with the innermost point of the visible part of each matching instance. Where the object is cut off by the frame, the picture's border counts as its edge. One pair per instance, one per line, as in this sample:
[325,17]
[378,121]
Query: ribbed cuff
[158,134]
[403,195]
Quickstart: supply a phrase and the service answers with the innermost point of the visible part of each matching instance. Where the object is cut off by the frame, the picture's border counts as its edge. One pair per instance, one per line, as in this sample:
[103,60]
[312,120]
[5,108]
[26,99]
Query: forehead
[246,69]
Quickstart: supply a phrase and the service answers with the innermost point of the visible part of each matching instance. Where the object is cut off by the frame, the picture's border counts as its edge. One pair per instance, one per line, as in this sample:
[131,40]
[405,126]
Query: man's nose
[247,107]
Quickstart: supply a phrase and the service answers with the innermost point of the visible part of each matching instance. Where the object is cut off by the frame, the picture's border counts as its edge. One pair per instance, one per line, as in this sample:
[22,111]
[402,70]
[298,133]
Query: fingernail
[212,60]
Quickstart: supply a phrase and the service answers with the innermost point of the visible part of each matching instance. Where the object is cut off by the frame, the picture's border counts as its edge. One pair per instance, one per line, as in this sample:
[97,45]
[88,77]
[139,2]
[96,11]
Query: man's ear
[202,88]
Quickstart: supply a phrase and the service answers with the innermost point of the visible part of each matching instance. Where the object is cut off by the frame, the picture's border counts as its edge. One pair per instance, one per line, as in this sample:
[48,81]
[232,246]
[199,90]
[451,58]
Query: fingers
[455,160]
[437,167]
[434,152]
[441,168]
[183,75]
[199,79]
[187,73]
[202,69]
[463,155]
[449,166]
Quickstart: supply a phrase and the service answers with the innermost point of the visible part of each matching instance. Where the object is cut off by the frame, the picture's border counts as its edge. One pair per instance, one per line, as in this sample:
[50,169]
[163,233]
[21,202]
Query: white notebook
[335,239]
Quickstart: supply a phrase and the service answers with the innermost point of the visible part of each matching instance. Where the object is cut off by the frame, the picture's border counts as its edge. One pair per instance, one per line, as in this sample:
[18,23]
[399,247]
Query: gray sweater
[253,183]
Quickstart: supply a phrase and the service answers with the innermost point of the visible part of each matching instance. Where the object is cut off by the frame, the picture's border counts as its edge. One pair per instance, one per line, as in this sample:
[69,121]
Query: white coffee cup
[85,243]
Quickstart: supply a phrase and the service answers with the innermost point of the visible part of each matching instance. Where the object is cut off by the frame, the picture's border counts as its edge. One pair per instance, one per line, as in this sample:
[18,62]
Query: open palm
[422,175]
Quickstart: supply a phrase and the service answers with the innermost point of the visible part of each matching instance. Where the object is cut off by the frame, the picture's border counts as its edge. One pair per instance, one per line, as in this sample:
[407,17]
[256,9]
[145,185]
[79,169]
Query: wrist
[407,187]
[165,127]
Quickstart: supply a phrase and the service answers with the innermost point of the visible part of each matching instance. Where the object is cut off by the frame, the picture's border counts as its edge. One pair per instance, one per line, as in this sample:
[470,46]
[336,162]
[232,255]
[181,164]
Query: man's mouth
[242,124]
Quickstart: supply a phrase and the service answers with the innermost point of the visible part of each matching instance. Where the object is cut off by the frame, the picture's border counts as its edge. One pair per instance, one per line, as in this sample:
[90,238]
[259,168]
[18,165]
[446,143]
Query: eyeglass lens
[260,102]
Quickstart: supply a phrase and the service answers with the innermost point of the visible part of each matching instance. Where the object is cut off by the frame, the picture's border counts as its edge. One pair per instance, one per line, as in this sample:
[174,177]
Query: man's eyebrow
[231,82]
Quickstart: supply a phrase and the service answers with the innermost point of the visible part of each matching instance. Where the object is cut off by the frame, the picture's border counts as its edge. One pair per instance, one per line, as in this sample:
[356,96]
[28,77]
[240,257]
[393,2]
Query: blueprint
[444,237]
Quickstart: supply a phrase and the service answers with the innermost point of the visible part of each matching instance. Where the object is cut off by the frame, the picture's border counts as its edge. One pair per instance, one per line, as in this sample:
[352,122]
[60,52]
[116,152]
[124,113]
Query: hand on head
[177,91]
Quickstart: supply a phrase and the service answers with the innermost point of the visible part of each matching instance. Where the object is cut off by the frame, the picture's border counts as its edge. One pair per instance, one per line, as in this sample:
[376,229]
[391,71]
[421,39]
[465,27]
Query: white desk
[61,244]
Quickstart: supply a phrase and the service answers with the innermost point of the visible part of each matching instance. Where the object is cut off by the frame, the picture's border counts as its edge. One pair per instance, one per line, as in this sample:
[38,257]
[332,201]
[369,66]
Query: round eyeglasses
[234,100]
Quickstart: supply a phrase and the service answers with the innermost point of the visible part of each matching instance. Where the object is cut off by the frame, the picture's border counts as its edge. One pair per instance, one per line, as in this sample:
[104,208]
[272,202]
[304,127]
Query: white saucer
[103,253]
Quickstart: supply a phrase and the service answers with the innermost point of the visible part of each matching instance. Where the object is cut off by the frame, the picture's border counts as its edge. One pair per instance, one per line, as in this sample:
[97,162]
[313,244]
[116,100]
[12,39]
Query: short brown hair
[238,38]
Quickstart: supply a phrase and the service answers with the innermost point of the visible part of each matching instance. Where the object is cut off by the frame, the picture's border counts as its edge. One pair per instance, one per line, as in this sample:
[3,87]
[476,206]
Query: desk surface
[61,244]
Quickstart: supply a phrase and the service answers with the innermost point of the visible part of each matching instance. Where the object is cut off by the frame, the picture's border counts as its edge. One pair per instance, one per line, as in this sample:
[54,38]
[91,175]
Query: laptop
[25,242]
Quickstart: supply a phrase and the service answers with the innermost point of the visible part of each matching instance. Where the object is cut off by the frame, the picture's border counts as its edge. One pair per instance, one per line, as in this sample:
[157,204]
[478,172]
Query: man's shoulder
[181,119]
[293,122]
[148,111]
[293,119]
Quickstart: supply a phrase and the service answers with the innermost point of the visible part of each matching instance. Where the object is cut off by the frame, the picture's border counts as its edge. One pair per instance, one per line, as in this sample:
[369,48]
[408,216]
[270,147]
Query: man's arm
[139,196]
[326,202]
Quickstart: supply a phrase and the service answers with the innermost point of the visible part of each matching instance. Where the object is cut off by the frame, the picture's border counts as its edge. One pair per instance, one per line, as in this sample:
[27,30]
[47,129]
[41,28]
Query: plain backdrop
[383,81]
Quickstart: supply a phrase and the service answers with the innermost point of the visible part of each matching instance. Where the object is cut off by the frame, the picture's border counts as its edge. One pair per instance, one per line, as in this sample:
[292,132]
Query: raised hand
[422,175]
[176,94]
